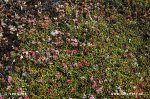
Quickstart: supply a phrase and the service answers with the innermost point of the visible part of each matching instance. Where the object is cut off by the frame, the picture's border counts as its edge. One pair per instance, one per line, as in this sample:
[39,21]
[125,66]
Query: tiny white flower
[129,40]
[21,57]
[12,28]
[134,87]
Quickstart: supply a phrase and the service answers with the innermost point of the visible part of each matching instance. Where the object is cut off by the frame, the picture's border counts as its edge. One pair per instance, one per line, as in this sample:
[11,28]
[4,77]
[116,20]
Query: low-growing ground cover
[91,50]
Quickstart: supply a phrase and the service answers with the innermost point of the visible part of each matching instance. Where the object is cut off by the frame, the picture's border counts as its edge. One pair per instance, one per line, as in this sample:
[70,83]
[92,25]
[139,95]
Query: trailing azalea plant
[93,49]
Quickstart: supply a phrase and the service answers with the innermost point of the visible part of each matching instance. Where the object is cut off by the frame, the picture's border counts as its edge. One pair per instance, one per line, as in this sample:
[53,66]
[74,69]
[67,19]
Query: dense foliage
[75,49]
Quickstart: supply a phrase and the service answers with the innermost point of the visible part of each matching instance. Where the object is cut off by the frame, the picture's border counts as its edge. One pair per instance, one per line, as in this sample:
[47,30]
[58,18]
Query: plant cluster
[74,48]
